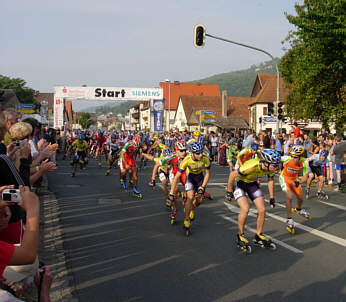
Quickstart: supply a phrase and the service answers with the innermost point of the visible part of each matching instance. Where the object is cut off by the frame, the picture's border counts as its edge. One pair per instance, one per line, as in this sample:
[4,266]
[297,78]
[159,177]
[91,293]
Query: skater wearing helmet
[316,161]
[267,163]
[246,154]
[195,164]
[290,183]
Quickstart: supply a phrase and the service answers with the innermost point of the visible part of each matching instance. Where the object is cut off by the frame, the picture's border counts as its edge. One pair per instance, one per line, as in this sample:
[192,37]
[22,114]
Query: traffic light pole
[277,72]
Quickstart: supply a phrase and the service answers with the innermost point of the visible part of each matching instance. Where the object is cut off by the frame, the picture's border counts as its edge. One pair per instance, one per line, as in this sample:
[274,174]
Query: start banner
[107,93]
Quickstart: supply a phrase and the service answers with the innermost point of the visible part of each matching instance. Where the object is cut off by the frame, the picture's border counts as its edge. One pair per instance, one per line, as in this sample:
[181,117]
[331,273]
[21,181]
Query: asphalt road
[120,248]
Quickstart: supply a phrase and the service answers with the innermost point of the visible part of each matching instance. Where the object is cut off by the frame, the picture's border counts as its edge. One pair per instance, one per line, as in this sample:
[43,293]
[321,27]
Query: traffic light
[280,111]
[199,35]
[270,108]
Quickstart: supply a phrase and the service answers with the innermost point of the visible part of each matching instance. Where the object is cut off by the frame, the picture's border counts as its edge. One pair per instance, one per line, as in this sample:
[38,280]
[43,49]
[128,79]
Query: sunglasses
[275,165]
[182,150]
[295,156]
[197,153]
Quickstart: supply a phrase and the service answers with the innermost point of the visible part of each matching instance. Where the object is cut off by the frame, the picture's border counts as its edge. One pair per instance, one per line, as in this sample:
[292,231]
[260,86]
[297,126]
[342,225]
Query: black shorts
[315,169]
[252,189]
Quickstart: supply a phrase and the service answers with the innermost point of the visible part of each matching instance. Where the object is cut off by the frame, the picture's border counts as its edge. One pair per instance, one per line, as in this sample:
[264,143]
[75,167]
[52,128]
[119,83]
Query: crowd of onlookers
[218,144]
[26,154]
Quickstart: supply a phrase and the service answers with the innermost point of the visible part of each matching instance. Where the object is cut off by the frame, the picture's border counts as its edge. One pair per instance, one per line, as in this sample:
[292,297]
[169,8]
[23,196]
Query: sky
[134,43]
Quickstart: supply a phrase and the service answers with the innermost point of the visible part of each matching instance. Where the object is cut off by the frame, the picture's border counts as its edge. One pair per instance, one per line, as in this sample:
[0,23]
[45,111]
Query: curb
[51,250]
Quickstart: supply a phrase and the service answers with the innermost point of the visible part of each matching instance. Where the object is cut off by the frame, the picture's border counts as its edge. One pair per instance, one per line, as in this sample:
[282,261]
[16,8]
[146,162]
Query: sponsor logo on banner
[159,106]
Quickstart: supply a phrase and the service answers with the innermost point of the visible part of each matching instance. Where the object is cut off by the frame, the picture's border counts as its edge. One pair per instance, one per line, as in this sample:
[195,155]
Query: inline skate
[108,172]
[137,193]
[243,244]
[173,216]
[322,195]
[264,241]
[290,226]
[302,212]
[187,227]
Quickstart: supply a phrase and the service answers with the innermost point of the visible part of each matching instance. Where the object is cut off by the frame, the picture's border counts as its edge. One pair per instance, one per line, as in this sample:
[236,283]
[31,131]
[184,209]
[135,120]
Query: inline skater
[316,161]
[246,154]
[79,147]
[100,147]
[195,137]
[127,163]
[243,156]
[173,161]
[267,163]
[163,172]
[113,154]
[290,184]
[195,164]
[231,155]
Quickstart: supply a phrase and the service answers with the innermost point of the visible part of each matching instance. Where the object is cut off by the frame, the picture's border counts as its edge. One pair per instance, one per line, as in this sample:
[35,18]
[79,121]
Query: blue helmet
[254,146]
[130,137]
[196,147]
[270,156]
[324,153]
[167,152]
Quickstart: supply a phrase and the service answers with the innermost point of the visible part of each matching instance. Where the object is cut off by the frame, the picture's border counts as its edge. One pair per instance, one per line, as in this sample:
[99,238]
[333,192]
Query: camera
[11,195]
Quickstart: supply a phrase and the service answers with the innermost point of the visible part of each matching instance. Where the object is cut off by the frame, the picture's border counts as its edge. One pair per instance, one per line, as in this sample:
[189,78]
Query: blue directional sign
[26,106]
[207,112]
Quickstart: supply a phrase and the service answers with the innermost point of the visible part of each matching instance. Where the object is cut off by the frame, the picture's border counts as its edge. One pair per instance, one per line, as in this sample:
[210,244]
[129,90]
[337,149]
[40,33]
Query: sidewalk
[51,249]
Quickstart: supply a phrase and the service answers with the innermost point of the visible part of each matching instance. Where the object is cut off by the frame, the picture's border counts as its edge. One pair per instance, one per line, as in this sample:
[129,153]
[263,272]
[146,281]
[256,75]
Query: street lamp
[44,111]
[169,103]
[199,41]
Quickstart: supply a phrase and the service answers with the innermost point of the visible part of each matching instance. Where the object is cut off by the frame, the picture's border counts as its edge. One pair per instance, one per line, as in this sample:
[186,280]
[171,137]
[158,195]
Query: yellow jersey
[80,146]
[194,166]
[251,170]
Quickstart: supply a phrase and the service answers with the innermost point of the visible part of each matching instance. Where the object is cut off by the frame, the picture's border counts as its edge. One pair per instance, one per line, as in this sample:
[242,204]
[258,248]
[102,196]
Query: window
[265,110]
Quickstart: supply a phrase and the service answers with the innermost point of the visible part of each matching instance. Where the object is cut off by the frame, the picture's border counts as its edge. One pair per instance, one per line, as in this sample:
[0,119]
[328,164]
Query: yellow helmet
[297,150]
[196,133]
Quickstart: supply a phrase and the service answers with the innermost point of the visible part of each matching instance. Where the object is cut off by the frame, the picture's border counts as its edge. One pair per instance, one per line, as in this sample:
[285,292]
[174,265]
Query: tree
[85,120]
[314,67]
[24,94]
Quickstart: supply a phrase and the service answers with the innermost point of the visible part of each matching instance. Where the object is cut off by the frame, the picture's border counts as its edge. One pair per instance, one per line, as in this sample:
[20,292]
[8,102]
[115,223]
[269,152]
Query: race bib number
[238,193]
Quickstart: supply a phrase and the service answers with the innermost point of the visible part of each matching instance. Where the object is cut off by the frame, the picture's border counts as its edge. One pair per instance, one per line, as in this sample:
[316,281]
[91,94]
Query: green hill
[240,82]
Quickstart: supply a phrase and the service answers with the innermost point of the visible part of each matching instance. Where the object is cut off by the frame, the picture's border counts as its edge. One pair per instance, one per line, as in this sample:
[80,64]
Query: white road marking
[324,235]
[327,203]
[333,205]
[283,244]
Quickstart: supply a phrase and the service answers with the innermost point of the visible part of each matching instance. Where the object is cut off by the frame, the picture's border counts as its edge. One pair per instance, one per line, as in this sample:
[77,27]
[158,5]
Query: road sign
[26,106]
[26,110]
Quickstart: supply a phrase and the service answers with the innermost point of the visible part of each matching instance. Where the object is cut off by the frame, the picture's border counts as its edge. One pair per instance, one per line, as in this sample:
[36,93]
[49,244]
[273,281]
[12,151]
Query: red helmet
[180,145]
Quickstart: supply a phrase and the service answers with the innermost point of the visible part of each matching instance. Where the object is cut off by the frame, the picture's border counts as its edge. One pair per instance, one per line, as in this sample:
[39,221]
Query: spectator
[3,130]
[278,144]
[307,144]
[287,144]
[11,118]
[266,140]
[248,139]
[296,130]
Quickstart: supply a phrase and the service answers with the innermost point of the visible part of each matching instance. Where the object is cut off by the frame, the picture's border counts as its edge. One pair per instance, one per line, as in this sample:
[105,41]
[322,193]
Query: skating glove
[296,183]
[200,191]
[272,202]
[229,196]
[171,197]
[152,183]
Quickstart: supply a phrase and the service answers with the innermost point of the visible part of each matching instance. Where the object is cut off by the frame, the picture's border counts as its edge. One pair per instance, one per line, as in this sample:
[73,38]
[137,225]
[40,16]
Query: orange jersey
[291,169]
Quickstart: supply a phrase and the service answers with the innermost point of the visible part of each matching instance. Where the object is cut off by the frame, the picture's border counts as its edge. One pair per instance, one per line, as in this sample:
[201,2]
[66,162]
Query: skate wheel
[172,221]
[309,217]
[292,231]
[248,249]
[272,246]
